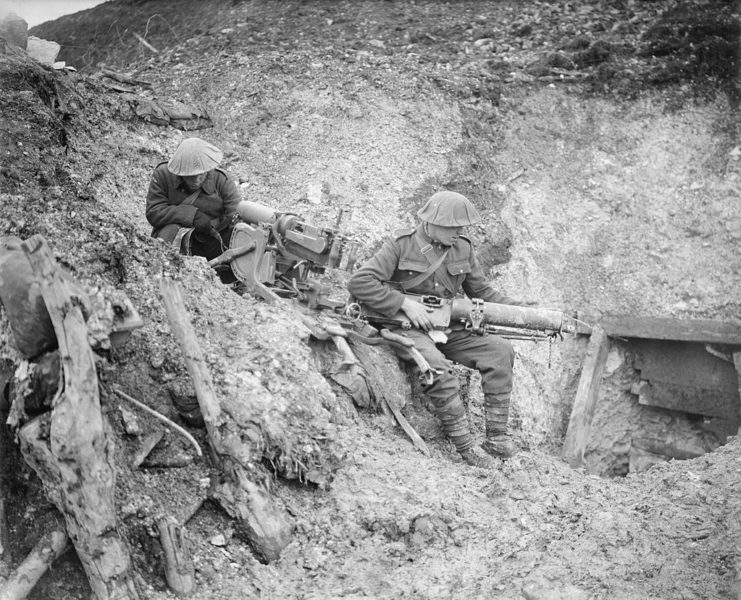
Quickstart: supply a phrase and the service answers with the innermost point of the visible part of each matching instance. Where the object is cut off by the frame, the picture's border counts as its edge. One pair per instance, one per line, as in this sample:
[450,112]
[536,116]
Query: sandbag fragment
[24,306]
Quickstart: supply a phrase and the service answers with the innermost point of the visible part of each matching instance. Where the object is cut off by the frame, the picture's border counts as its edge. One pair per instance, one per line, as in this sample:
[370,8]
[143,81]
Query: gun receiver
[320,246]
[483,317]
[287,251]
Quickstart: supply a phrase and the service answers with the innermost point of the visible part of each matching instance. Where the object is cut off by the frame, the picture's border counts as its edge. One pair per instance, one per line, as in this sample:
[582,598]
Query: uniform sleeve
[368,283]
[231,196]
[475,285]
[228,192]
[159,211]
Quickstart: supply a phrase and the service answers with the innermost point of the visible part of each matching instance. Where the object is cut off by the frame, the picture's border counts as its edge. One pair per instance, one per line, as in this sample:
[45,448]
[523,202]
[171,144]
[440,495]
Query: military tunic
[218,198]
[401,259]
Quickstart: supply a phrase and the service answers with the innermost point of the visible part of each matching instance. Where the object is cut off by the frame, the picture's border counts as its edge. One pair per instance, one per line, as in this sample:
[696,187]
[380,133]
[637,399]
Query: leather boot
[497,443]
[452,414]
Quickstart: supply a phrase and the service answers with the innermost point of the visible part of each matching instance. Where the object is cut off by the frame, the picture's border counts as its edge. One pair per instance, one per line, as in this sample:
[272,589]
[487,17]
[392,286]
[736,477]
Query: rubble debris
[130,422]
[43,51]
[182,116]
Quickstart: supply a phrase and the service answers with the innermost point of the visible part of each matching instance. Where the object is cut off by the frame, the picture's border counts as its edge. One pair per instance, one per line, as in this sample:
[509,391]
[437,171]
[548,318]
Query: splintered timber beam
[266,526]
[26,575]
[71,448]
[580,423]
[665,328]
[179,567]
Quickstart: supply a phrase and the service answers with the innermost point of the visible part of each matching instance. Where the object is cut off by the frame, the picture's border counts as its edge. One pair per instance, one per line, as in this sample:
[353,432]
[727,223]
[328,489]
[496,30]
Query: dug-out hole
[669,390]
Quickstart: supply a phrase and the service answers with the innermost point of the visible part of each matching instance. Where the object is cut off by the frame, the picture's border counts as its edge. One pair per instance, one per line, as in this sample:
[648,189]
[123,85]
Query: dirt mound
[604,156]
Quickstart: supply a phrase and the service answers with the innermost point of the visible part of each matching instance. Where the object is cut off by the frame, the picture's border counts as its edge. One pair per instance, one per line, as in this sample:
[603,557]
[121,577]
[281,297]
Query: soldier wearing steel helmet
[436,259]
[191,203]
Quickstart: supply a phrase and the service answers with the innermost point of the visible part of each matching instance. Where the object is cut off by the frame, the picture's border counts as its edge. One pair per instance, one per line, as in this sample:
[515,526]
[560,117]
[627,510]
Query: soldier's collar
[428,241]
[208,185]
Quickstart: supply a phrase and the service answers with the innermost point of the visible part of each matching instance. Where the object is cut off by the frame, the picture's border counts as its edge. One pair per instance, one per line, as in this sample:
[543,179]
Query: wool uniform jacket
[404,257]
[218,199]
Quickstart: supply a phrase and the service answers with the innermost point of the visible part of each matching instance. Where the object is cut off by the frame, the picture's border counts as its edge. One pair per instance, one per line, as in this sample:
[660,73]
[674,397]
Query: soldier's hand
[202,223]
[417,314]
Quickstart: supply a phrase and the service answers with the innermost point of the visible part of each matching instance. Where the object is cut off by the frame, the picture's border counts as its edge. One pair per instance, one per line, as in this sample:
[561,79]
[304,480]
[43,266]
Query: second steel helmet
[194,156]
[449,209]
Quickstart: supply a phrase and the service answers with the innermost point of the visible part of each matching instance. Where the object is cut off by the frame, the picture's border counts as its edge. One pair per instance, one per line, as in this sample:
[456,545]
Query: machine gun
[510,321]
[282,251]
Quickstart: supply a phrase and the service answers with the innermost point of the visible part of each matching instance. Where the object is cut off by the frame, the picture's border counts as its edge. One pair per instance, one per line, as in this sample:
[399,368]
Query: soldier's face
[193,182]
[447,236]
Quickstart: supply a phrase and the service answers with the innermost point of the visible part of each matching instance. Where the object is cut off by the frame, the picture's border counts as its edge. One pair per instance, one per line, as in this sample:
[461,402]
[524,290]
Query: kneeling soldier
[436,259]
[192,204]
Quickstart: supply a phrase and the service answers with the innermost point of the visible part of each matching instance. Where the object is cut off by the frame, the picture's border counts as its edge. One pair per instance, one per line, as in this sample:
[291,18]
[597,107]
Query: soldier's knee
[444,384]
[167,233]
[502,352]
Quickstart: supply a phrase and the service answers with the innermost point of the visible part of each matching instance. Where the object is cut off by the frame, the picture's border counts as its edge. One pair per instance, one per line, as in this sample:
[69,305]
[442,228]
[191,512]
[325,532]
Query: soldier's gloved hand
[202,223]
[417,314]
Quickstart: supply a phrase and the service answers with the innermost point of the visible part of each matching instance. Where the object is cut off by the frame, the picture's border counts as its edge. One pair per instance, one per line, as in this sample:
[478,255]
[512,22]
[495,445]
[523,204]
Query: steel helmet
[193,157]
[449,209]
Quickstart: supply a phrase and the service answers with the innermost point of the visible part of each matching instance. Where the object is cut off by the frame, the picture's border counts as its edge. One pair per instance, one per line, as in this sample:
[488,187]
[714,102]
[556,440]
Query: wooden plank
[682,330]
[179,567]
[580,423]
[418,442]
[264,522]
[23,579]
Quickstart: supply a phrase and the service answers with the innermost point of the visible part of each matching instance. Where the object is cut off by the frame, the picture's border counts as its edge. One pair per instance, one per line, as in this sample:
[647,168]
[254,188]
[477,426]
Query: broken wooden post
[733,530]
[6,559]
[266,526]
[179,567]
[580,423]
[24,578]
[71,448]
[737,364]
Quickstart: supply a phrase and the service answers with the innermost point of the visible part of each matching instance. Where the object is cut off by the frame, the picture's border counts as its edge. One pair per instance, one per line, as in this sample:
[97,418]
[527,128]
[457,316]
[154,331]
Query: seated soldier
[192,204]
[436,259]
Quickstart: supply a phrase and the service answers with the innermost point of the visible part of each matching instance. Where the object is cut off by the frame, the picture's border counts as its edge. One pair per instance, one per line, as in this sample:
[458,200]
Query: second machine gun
[507,320]
[284,252]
